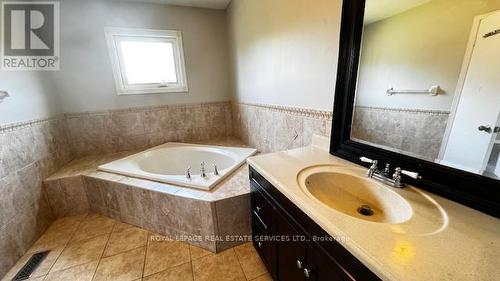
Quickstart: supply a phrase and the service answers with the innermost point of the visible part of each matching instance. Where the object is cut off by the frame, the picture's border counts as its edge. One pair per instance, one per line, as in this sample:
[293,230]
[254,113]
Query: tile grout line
[145,255]
[66,245]
[111,233]
[105,257]
[239,262]
[102,254]
[191,262]
[257,277]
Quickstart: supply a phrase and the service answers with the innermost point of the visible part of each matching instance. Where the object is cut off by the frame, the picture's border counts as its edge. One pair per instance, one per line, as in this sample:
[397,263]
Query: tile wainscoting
[418,132]
[29,152]
[130,129]
[32,151]
[271,128]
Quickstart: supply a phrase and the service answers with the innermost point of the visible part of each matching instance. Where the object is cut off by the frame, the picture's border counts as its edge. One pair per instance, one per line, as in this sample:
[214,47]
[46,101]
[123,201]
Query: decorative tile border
[407,110]
[25,124]
[145,108]
[294,110]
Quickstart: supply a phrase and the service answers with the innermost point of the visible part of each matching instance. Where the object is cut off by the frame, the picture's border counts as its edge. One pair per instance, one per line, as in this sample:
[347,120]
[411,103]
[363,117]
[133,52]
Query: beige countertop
[443,240]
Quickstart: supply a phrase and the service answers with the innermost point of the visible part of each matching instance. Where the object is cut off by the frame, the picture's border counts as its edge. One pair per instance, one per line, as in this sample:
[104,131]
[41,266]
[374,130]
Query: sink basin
[354,195]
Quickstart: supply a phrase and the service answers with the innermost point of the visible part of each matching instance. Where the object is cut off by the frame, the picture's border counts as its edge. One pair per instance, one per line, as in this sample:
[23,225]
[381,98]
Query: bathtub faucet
[202,170]
[188,173]
[216,171]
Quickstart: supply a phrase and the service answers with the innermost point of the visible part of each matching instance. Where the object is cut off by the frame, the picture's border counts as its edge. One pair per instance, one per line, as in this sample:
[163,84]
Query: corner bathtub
[169,162]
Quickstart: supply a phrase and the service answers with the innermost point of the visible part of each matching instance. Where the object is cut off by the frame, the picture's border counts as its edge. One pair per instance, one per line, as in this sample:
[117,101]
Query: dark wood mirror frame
[478,192]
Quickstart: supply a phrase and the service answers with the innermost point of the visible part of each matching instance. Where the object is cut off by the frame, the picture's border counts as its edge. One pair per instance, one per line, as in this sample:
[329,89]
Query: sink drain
[365,210]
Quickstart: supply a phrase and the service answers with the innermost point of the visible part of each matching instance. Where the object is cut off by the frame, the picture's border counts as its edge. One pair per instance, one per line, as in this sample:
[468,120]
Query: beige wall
[421,47]
[285,51]
[85,81]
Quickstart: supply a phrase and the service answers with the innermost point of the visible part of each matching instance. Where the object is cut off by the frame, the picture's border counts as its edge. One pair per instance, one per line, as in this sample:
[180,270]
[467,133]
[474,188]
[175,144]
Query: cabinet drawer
[261,208]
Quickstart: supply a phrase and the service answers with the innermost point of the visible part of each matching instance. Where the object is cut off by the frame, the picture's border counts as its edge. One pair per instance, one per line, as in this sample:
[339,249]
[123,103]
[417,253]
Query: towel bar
[433,91]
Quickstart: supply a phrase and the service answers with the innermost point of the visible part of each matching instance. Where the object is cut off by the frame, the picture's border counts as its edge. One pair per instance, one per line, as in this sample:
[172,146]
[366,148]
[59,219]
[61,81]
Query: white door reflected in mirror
[410,45]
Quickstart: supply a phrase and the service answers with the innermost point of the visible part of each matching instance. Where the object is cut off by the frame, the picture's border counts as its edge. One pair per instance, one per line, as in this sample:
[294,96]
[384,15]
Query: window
[146,61]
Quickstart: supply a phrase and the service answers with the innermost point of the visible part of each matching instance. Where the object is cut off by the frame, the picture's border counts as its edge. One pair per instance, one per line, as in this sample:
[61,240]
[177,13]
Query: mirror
[429,82]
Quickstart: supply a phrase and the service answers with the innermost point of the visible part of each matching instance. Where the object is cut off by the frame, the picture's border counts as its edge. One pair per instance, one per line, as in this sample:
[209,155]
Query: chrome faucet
[202,170]
[188,173]
[216,171]
[384,176]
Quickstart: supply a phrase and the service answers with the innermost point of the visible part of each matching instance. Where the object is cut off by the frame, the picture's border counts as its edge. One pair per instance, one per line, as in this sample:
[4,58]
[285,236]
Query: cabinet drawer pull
[259,244]
[307,272]
[258,209]
[300,264]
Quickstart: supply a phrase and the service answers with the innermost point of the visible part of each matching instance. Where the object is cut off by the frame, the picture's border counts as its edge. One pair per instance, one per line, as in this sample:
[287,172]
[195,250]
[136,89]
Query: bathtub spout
[188,173]
[202,170]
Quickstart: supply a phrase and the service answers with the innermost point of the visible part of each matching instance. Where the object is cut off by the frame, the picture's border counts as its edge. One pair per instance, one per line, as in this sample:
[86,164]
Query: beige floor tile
[197,252]
[126,266]
[59,233]
[265,277]
[41,270]
[120,226]
[93,225]
[83,272]
[81,252]
[67,222]
[221,267]
[125,240]
[182,272]
[162,255]
[250,261]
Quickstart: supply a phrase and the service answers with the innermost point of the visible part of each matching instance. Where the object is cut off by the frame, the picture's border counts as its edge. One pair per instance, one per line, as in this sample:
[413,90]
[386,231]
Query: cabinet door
[265,247]
[291,252]
[320,267]
[263,227]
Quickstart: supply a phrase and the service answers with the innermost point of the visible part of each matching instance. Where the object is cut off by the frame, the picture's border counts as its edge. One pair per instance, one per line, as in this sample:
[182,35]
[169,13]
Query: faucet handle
[397,177]
[411,174]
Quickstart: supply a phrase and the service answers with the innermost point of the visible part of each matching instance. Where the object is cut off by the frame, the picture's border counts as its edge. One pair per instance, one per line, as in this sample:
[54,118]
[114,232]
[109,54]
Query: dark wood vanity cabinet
[291,245]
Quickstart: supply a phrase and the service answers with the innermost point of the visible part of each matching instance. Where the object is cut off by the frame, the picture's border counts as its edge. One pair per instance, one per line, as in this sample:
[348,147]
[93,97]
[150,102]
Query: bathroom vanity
[292,246]
[303,234]
[407,188]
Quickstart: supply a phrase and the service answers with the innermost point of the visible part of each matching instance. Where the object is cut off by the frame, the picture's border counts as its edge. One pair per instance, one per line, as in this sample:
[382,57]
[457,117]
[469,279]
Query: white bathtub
[169,162]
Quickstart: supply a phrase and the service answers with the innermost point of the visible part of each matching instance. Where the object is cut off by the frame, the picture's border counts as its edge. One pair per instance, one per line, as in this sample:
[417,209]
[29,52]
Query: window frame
[115,35]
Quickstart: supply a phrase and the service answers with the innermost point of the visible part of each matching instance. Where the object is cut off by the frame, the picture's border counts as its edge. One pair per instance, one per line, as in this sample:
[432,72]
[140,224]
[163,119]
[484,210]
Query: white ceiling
[210,4]
[376,10]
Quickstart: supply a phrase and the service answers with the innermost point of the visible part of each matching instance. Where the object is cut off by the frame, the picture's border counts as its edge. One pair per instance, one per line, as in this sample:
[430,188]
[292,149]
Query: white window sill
[165,90]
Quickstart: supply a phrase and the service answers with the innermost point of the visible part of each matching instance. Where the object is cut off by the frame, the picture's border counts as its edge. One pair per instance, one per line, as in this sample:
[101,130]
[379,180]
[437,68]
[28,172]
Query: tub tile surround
[224,211]
[37,150]
[417,132]
[29,152]
[143,127]
[124,252]
[271,128]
